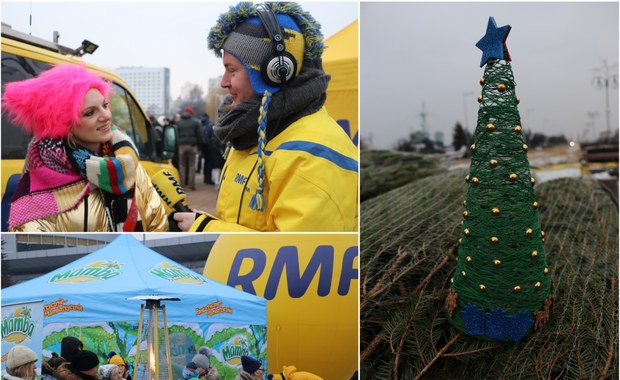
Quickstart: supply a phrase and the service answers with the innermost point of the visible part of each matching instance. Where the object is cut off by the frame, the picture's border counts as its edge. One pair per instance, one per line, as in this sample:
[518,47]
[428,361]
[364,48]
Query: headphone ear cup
[279,69]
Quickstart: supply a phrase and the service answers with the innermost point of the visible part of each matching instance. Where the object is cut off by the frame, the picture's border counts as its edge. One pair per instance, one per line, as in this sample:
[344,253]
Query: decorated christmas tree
[500,290]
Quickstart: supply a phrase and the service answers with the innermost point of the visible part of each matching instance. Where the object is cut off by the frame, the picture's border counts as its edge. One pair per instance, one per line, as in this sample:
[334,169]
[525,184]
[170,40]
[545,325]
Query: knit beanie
[69,346]
[201,359]
[249,364]
[105,371]
[240,32]
[50,104]
[116,359]
[20,355]
[85,360]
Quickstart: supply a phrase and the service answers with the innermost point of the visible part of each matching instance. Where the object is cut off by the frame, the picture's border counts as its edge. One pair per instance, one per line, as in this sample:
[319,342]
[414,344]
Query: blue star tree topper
[493,44]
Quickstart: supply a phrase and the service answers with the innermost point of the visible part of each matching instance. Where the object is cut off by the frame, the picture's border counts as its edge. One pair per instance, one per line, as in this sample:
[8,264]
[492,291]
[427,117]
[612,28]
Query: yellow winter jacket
[91,211]
[311,182]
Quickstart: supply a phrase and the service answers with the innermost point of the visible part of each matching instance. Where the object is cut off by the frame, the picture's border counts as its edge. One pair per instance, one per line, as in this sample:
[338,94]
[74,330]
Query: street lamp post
[603,78]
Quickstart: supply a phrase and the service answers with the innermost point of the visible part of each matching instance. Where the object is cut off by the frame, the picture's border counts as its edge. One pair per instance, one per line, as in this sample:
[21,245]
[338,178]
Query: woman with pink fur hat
[82,173]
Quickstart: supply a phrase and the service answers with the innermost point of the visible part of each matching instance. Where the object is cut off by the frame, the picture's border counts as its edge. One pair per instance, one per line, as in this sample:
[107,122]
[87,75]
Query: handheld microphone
[171,192]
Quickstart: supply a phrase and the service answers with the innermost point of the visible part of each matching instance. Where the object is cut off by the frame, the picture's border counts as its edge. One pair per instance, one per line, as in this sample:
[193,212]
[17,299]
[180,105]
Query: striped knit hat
[240,32]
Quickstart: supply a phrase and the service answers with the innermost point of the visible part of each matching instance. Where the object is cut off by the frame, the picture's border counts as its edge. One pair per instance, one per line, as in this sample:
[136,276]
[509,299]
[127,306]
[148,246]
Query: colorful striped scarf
[56,177]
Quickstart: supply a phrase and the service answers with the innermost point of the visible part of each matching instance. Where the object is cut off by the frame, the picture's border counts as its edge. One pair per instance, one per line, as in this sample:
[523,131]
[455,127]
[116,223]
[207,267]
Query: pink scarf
[49,184]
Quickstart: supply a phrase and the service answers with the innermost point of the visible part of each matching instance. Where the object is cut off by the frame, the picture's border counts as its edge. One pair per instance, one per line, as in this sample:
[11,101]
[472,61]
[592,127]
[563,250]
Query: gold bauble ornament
[495,211]
[501,87]
[532,181]
[512,177]
[452,280]
[516,289]
[497,262]
[534,254]
[465,203]
[473,147]
[467,178]
[518,129]
[475,180]
[490,128]
[494,240]
[482,287]
[468,259]
[465,214]
[493,163]
[463,273]
[528,232]
[479,98]
[460,241]
[542,233]
[518,100]
[537,285]
[546,271]
[481,82]
[535,205]
[524,147]
[466,232]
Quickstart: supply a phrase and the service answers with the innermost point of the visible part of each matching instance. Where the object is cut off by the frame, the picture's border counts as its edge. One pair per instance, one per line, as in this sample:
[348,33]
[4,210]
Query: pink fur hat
[50,104]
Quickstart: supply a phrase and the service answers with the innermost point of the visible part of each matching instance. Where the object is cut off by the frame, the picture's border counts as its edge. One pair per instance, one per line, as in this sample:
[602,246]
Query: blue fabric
[496,324]
[187,374]
[322,151]
[100,284]
[79,157]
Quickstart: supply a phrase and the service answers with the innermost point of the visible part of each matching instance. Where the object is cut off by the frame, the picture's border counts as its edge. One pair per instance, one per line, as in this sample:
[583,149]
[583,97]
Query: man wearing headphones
[291,166]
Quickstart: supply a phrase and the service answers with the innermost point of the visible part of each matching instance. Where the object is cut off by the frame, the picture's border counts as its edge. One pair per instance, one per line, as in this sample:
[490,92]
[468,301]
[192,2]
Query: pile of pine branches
[408,255]
[382,170]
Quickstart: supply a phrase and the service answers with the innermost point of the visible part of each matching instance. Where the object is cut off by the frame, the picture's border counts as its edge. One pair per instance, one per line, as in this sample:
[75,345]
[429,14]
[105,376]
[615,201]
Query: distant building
[151,86]
[26,256]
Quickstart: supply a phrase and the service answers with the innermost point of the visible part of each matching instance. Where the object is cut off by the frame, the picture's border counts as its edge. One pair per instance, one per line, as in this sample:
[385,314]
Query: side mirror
[169,146]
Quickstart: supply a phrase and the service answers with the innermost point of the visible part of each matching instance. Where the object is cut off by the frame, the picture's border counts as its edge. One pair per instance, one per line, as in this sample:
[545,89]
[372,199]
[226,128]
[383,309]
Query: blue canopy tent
[91,297]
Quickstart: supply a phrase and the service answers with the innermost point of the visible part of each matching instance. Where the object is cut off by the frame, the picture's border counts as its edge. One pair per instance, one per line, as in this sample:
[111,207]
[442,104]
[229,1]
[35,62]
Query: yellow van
[25,56]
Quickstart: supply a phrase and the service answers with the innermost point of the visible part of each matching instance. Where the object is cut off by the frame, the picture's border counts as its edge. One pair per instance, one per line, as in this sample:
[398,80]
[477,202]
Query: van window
[126,114]
[14,139]
[125,111]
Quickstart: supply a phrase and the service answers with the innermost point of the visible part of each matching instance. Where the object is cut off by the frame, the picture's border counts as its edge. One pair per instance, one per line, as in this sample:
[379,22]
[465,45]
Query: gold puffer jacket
[90,215]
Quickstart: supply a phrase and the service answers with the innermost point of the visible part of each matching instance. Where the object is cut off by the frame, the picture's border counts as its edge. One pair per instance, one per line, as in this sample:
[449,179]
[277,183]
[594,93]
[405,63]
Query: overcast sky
[149,34]
[424,53]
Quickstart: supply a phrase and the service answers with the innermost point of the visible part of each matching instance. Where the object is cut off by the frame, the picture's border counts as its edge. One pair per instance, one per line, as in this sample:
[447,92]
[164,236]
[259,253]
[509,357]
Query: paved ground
[204,197]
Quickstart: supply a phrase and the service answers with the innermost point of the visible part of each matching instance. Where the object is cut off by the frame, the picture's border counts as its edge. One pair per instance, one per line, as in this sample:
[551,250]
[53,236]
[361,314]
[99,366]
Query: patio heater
[152,335]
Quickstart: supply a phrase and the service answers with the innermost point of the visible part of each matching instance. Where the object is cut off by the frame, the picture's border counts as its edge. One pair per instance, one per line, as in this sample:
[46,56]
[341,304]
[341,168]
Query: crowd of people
[76,363]
[199,150]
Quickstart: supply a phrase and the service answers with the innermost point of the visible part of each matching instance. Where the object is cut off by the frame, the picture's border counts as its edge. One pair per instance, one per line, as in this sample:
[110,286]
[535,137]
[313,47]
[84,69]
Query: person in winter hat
[70,346]
[190,371]
[298,167]
[189,132]
[83,367]
[116,359]
[48,367]
[110,372]
[81,173]
[205,370]
[251,369]
[21,363]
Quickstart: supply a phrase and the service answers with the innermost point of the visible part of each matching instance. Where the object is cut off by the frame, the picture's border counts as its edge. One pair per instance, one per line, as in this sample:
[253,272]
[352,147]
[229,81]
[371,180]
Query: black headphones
[279,67]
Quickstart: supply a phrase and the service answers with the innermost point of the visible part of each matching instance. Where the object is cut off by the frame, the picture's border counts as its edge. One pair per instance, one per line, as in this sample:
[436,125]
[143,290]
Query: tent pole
[167,342]
[156,337]
[135,366]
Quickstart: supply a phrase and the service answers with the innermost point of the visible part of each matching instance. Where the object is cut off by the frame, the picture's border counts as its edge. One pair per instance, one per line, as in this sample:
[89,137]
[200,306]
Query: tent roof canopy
[104,286]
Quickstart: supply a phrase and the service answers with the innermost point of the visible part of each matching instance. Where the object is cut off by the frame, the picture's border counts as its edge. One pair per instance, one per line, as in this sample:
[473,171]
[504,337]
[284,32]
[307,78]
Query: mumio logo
[172,272]
[236,347]
[18,326]
[100,270]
